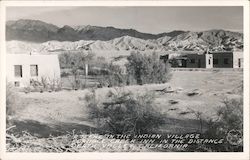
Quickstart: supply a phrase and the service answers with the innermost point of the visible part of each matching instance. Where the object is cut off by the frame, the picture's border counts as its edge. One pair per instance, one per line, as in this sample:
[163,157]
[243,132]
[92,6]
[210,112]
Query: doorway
[199,63]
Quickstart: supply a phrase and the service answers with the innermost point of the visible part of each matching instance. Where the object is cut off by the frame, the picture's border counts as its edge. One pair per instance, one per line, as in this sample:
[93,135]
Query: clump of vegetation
[228,126]
[145,69]
[44,84]
[12,104]
[124,113]
[76,62]
[113,77]
[140,69]
[11,98]
[69,142]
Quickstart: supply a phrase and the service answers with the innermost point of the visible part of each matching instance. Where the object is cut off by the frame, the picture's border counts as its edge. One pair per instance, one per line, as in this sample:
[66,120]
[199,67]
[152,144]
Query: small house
[21,69]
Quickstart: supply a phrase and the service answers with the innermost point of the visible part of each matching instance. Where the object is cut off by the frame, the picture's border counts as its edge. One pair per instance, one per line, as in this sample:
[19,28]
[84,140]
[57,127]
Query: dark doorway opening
[199,63]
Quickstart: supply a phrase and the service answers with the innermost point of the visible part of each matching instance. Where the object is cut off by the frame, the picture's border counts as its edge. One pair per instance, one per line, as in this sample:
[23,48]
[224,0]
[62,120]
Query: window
[215,61]
[226,61]
[18,71]
[192,61]
[33,70]
[209,61]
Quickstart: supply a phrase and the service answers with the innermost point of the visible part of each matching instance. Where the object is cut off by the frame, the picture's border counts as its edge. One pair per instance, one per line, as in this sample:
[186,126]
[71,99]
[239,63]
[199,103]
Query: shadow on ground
[45,130]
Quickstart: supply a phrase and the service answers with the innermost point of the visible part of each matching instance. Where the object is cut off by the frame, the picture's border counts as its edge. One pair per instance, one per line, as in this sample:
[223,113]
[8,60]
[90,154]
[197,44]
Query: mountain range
[38,31]
[33,35]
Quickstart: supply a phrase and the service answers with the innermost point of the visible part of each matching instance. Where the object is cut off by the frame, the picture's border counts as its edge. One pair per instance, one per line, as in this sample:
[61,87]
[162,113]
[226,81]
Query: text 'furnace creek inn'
[23,68]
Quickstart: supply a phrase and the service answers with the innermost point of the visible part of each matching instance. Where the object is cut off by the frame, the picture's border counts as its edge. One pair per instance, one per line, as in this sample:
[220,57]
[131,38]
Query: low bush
[45,84]
[65,74]
[228,126]
[145,69]
[112,77]
[124,113]
[77,59]
[12,104]
[68,142]
[11,98]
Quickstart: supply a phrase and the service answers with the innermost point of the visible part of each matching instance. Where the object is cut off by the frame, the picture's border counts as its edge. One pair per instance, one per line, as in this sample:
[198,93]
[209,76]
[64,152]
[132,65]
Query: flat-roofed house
[21,69]
[216,59]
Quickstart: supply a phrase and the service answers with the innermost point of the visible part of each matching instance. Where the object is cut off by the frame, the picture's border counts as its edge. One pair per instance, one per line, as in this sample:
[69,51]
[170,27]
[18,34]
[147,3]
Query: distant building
[219,59]
[227,59]
[199,61]
[21,69]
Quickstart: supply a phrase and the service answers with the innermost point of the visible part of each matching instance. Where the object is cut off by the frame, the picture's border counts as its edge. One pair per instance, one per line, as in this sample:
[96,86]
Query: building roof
[212,52]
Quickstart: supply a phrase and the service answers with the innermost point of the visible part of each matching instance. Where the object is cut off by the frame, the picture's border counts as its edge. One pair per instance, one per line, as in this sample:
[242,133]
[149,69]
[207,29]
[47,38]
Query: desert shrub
[230,120]
[147,69]
[98,66]
[13,105]
[77,82]
[112,77]
[65,74]
[11,98]
[94,71]
[124,112]
[76,142]
[64,60]
[77,59]
[44,84]
[115,76]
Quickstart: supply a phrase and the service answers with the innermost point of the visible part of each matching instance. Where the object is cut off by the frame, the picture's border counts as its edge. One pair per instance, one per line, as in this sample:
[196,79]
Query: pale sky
[143,19]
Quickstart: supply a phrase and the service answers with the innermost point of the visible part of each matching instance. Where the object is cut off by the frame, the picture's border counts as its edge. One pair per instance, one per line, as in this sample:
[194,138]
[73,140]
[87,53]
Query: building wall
[209,60]
[238,60]
[214,60]
[196,61]
[48,66]
[219,59]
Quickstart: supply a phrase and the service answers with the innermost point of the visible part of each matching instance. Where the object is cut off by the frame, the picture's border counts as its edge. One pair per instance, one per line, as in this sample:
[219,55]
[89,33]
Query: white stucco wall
[209,57]
[236,57]
[48,66]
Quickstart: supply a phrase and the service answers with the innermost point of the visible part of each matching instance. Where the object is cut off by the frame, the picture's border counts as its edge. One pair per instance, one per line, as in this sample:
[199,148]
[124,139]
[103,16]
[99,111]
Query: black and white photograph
[125,78]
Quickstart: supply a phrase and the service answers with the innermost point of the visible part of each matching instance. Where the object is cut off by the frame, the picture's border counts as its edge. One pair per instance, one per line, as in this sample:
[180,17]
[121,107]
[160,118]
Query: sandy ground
[56,112]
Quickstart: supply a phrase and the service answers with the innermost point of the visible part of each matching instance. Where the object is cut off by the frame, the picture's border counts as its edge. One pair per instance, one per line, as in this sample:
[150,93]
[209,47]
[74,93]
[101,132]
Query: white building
[238,60]
[22,68]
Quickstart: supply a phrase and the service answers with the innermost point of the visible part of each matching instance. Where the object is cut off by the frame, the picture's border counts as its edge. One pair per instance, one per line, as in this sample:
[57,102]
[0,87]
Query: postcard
[124,80]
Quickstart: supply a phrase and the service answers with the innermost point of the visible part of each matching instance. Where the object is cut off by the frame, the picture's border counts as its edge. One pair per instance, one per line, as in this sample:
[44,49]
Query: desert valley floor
[55,113]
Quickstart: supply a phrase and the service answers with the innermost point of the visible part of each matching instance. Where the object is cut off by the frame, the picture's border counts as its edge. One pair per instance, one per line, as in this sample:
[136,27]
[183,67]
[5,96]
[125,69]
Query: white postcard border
[123,156]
